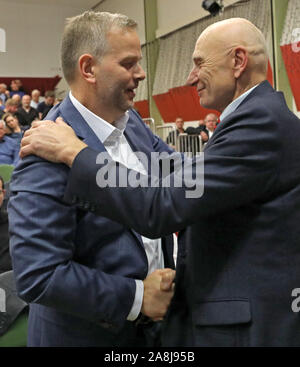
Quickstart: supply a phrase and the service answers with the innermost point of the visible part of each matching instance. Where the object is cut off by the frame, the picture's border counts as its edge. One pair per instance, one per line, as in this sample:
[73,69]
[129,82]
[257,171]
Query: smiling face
[213,73]
[230,57]
[26,101]
[118,73]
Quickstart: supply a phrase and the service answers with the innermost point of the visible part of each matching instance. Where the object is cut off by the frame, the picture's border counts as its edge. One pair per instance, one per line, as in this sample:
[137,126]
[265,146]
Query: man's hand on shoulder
[55,142]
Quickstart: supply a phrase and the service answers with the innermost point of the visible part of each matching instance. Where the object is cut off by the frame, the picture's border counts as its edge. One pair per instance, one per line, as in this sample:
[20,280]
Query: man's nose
[139,73]
[192,78]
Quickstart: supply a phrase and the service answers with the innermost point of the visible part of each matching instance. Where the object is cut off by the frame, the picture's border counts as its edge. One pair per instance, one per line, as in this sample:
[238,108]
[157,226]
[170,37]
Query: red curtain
[166,106]
[143,108]
[42,84]
[291,60]
[183,102]
[187,102]
[270,74]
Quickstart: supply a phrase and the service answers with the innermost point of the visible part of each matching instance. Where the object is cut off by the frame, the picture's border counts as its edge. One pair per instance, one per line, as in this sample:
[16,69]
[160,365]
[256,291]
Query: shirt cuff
[138,301]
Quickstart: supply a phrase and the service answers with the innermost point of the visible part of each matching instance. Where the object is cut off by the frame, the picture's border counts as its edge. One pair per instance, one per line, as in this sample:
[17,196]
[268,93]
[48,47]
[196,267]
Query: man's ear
[87,67]
[240,61]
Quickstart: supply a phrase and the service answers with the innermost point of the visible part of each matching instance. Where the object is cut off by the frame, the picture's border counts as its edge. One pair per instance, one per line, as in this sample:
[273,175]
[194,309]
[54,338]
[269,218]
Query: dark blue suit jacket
[76,269]
[234,283]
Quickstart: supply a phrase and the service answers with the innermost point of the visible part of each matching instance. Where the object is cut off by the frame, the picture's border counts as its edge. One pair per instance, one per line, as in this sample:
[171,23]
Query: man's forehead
[201,49]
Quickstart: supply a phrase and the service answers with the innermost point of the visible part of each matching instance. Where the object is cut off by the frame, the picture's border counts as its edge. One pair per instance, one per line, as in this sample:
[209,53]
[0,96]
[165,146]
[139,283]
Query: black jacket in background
[26,118]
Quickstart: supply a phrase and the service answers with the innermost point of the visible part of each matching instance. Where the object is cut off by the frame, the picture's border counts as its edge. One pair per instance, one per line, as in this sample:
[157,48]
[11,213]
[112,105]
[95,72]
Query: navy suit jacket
[76,269]
[235,280]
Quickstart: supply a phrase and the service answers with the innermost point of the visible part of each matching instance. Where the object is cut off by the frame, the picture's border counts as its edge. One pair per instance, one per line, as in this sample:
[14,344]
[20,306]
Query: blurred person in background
[171,138]
[35,98]
[13,129]
[9,148]
[26,114]
[45,106]
[210,125]
[15,89]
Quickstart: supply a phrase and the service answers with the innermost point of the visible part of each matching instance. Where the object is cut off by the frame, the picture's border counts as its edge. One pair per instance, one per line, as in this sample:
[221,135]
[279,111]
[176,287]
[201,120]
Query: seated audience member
[2,107]
[4,93]
[45,106]
[17,99]
[11,106]
[20,85]
[12,128]
[15,88]
[171,139]
[35,98]
[210,122]
[26,114]
[9,148]
[5,260]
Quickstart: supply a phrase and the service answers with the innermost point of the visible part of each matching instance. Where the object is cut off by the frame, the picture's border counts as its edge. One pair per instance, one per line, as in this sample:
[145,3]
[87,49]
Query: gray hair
[87,33]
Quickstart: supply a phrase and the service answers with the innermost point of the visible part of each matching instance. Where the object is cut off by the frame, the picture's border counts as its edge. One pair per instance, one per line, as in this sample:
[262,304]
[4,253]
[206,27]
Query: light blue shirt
[234,104]
[9,151]
[113,138]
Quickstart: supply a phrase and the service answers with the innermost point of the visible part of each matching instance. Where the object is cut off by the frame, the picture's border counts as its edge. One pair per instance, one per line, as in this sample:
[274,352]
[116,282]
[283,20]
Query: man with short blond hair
[11,106]
[90,281]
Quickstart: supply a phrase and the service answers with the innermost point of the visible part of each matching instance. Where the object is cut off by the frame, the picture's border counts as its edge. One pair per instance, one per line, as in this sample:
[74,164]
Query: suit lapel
[138,140]
[260,90]
[137,144]
[70,115]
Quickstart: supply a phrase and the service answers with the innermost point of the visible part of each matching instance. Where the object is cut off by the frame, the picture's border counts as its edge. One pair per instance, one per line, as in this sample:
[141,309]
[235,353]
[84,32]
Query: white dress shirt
[210,134]
[234,104]
[113,138]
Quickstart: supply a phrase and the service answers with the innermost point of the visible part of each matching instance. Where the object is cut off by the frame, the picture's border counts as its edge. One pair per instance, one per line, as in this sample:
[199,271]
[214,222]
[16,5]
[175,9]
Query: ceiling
[87,4]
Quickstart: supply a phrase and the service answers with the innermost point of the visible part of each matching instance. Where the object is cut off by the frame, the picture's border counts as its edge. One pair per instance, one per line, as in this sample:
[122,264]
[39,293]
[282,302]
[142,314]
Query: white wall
[33,29]
[132,8]
[33,34]
[174,14]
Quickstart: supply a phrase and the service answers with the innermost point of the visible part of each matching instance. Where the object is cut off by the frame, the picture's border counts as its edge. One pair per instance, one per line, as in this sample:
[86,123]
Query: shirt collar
[234,104]
[105,131]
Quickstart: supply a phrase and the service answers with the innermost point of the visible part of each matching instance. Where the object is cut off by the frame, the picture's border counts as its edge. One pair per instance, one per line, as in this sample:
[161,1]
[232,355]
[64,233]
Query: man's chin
[130,104]
[204,103]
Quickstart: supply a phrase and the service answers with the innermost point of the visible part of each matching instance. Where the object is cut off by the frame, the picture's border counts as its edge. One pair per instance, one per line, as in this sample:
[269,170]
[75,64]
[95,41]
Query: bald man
[210,124]
[238,282]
